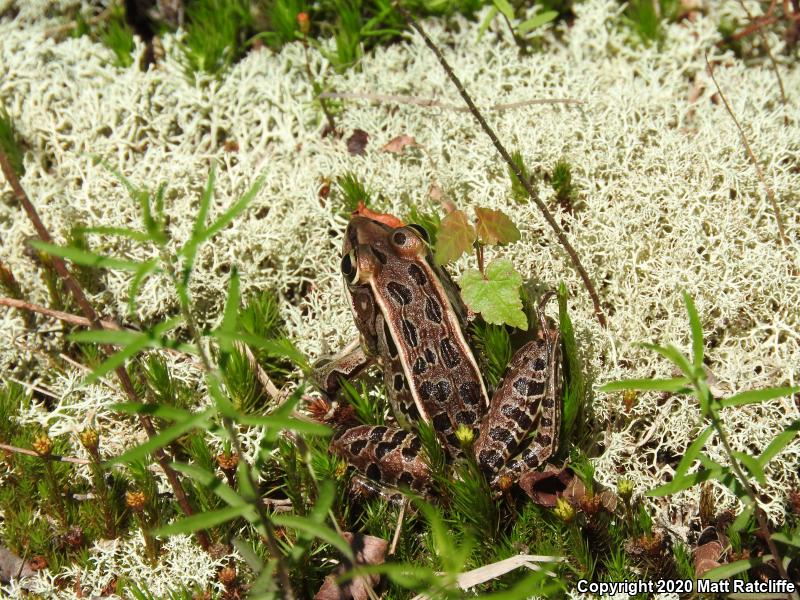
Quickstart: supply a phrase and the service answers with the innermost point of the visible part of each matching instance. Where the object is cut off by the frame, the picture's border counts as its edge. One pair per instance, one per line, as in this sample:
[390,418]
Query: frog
[413,325]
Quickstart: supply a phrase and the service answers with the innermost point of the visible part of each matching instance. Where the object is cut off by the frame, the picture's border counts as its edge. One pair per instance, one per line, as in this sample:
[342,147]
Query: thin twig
[261,374]
[772,61]
[398,528]
[87,309]
[56,314]
[770,194]
[67,459]
[432,103]
[562,238]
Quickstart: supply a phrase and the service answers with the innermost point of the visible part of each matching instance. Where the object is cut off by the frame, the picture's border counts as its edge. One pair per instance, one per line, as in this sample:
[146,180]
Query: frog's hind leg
[389,456]
[363,486]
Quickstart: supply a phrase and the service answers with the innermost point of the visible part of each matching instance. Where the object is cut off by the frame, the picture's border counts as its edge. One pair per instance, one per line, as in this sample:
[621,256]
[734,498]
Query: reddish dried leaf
[545,487]
[456,236]
[398,144]
[494,227]
[368,550]
[385,218]
[357,143]
[707,557]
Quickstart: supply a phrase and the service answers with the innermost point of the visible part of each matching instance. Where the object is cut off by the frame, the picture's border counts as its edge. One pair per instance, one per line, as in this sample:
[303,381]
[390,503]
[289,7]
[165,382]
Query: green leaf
[574,384]
[117,359]
[142,272]
[536,21]
[456,236]
[752,465]
[162,411]
[778,443]
[298,425]
[677,385]
[678,484]
[280,347]
[320,531]
[203,520]
[755,396]
[741,520]
[493,12]
[139,236]
[84,258]
[495,296]
[164,437]
[494,227]
[697,331]
[794,540]
[505,8]
[118,337]
[234,211]
[736,567]
[231,313]
[209,480]
[674,355]
[692,451]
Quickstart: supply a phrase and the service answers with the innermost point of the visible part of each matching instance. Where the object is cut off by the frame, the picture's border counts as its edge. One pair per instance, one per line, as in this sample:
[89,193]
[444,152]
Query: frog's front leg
[348,364]
[389,456]
[524,417]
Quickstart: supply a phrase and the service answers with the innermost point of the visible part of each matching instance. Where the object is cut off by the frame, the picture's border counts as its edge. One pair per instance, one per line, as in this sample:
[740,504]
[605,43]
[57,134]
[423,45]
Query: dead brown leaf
[398,144]
[357,143]
[368,550]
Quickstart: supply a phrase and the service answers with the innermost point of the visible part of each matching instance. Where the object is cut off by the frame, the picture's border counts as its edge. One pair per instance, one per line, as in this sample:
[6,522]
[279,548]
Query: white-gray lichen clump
[669,202]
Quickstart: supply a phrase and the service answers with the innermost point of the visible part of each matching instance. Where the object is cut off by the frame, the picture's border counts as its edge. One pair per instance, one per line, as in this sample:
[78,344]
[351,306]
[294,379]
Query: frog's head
[369,245]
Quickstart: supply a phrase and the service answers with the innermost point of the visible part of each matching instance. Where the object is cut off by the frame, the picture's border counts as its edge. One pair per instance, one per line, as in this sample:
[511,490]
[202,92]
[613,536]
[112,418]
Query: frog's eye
[423,233]
[407,242]
[400,238]
[349,268]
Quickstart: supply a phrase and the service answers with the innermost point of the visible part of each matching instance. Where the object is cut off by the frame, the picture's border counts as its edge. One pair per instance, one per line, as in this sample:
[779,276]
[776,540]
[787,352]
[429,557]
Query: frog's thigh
[388,455]
[348,364]
[364,486]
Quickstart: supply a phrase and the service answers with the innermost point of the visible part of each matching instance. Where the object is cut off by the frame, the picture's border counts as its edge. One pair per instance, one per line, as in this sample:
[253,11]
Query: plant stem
[88,310]
[272,542]
[562,238]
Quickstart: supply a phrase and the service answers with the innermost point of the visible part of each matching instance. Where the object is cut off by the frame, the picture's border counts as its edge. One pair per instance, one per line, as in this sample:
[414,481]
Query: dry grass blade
[770,193]
[67,459]
[432,103]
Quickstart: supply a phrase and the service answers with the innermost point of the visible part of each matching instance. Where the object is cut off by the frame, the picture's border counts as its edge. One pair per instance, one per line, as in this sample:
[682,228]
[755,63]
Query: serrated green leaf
[755,396]
[505,8]
[164,437]
[84,258]
[495,296]
[752,465]
[320,531]
[697,331]
[456,236]
[778,443]
[234,211]
[204,520]
[494,227]
[734,568]
[675,385]
[536,21]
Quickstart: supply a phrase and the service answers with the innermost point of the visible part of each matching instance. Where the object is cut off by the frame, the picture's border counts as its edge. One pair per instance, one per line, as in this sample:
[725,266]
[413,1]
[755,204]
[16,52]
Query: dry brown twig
[776,209]
[432,103]
[560,235]
[67,459]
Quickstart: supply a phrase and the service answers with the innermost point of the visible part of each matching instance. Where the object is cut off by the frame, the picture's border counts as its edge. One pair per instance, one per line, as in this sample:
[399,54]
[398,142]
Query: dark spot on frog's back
[539,364]
[433,311]
[426,389]
[377,433]
[449,355]
[417,274]
[382,448]
[373,472]
[529,387]
[406,479]
[469,392]
[500,434]
[390,345]
[357,446]
[430,356]
[420,366]
[399,293]
[441,422]
[398,382]
[466,417]
[410,332]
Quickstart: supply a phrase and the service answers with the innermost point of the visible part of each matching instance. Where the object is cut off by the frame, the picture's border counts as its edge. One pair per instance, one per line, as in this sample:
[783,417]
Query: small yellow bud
[341,469]
[564,511]
[90,439]
[135,500]
[465,435]
[304,22]
[43,445]
[227,576]
[227,462]
[625,489]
